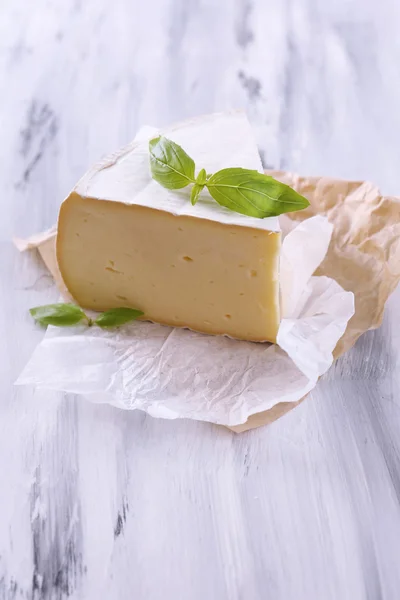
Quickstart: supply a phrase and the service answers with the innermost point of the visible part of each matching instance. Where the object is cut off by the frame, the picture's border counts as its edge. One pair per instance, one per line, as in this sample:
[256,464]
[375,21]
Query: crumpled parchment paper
[177,373]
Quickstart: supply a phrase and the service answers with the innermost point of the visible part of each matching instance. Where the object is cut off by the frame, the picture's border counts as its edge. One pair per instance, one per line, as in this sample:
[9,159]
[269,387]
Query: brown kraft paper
[363,256]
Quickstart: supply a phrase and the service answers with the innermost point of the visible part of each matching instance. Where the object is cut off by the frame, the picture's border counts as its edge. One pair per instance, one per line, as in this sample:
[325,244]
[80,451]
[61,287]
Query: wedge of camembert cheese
[124,240]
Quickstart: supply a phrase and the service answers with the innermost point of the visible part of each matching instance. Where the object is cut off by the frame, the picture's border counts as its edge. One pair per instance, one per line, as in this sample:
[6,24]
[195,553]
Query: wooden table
[100,504]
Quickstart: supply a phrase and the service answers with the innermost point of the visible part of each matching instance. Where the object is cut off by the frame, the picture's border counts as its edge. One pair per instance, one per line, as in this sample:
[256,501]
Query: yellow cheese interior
[179,270]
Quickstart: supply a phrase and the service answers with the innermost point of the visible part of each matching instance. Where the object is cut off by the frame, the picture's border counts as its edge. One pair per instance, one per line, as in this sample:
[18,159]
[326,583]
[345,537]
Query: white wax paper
[176,373]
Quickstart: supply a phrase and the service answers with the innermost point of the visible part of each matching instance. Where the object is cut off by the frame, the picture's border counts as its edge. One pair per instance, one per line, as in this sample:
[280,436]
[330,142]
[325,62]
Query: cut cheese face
[202,267]
[181,271]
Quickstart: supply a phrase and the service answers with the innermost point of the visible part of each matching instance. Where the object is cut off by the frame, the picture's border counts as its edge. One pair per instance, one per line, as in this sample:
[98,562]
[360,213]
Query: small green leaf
[170,166]
[117,316]
[201,177]
[253,194]
[194,195]
[60,315]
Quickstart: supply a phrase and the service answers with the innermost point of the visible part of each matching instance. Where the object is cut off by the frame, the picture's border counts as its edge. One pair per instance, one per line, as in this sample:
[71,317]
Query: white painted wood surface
[101,504]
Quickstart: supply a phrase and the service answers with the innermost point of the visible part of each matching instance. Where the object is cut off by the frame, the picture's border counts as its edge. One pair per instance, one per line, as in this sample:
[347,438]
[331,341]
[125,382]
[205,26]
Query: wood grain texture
[99,503]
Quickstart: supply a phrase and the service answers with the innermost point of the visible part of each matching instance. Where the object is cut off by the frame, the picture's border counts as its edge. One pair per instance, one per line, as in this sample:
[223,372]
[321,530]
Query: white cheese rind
[214,142]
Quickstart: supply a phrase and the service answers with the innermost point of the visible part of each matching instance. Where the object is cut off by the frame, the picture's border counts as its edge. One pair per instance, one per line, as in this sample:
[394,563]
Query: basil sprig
[64,315]
[244,191]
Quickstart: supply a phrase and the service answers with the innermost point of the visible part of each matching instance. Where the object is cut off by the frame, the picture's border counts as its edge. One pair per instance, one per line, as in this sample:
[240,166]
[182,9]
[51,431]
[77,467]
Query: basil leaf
[61,315]
[242,190]
[194,195]
[253,194]
[201,177]
[117,316]
[169,164]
